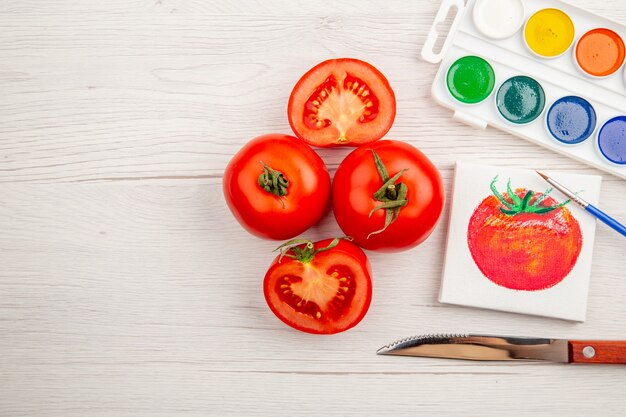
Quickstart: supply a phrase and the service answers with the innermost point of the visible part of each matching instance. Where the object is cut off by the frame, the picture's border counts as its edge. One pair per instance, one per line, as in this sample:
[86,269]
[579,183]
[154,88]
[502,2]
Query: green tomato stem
[273,182]
[519,205]
[302,249]
[392,195]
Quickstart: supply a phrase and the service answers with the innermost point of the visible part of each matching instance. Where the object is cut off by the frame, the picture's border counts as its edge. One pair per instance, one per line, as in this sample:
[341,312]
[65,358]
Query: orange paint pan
[600,52]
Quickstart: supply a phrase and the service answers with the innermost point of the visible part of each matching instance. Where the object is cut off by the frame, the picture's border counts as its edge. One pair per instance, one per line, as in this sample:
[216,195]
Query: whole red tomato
[323,287]
[341,102]
[387,195]
[523,240]
[276,186]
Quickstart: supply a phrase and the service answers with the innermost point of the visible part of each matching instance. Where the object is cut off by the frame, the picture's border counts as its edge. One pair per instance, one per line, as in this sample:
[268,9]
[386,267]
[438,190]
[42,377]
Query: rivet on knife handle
[597,351]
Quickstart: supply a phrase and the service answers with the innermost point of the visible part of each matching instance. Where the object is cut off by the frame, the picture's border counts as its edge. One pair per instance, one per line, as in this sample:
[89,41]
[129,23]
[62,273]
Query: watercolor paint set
[542,70]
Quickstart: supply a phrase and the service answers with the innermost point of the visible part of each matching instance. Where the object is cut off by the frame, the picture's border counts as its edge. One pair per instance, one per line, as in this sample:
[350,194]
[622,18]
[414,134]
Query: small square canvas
[515,245]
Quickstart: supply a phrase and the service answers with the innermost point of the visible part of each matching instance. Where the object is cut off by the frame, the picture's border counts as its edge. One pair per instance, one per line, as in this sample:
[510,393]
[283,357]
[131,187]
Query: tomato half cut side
[327,294]
[341,102]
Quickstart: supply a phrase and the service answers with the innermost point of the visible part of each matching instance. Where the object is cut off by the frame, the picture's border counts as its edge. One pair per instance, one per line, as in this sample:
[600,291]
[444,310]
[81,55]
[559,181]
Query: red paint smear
[528,251]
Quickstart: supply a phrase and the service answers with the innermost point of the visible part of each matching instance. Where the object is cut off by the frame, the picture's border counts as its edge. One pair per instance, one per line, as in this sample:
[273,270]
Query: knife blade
[507,348]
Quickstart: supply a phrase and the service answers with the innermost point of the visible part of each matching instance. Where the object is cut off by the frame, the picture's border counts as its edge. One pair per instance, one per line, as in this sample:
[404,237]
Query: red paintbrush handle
[597,351]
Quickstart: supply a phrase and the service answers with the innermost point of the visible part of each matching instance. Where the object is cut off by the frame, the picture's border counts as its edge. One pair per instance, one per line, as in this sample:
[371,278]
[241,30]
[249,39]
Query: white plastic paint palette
[559,86]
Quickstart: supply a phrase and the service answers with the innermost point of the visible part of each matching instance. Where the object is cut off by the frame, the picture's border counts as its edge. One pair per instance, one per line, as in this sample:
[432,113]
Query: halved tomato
[323,287]
[341,102]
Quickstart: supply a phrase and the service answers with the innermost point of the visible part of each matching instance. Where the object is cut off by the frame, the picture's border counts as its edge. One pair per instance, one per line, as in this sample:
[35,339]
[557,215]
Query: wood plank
[88,97]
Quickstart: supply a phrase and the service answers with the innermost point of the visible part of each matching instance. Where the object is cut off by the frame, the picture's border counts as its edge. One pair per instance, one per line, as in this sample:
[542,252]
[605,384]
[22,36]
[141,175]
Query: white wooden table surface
[128,289]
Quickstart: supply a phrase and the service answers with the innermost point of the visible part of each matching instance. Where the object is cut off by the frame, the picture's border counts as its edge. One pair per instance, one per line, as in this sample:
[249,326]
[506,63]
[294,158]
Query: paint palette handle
[428,53]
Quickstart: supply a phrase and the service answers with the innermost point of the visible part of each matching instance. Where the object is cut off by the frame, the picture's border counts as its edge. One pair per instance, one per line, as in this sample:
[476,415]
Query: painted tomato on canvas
[524,240]
[323,287]
[341,102]
[388,196]
[277,187]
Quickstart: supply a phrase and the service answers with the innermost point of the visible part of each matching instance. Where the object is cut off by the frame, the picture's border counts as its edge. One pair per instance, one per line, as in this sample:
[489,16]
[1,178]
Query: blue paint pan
[571,120]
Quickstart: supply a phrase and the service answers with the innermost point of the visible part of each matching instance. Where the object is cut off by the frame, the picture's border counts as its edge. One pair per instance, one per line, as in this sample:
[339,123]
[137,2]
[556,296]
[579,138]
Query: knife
[504,348]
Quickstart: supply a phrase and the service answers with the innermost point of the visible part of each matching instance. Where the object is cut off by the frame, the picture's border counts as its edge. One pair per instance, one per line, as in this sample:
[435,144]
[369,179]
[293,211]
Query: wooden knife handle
[597,351]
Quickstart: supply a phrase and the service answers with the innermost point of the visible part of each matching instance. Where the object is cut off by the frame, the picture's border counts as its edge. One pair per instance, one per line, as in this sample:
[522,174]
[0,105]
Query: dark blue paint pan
[571,120]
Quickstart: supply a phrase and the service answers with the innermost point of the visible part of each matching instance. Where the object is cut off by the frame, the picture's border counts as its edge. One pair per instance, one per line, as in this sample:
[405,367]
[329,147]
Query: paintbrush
[599,214]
